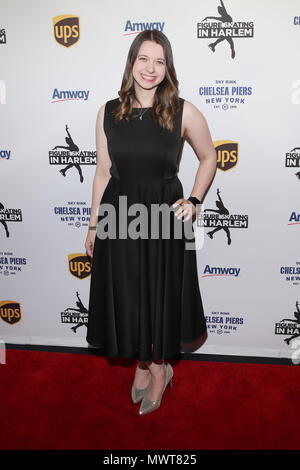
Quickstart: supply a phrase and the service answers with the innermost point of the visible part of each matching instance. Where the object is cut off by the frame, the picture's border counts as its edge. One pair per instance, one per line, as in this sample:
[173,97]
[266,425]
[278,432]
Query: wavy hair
[166,97]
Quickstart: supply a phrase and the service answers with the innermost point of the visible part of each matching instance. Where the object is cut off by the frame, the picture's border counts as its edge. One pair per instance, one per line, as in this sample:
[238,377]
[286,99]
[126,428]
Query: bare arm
[102,174]
[197,134]
[101,178]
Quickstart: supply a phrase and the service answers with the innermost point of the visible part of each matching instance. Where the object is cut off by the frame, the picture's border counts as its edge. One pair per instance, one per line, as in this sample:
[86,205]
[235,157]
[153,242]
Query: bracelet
[92,227]
[194,200]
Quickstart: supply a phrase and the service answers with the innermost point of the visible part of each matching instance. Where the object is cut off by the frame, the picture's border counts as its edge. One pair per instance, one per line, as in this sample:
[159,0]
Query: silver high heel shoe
[147,405]
[137,394]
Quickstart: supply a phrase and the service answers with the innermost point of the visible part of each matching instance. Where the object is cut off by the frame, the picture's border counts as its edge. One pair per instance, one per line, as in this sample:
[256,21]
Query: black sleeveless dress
[144,297]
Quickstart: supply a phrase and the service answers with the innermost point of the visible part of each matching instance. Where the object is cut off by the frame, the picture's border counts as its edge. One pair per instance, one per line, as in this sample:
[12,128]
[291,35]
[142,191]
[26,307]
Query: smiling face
[149,68]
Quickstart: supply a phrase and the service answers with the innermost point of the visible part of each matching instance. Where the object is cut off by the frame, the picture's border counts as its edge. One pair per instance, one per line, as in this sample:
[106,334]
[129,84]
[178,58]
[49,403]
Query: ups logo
[10,311]
[227,154]
[79,265]
[66,29]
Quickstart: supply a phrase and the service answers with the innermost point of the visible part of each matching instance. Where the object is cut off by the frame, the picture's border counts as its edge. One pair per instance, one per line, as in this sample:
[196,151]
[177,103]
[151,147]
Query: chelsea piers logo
[66,29]
[73,214]
[223,28]
[226,94]
[227,154]
[224,322]
[291,273]
[10,264]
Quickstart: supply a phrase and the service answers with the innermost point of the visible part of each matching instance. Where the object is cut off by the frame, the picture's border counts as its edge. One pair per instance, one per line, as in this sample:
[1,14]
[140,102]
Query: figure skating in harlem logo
[71,156]
[77,315]
[9,215]
[289,326]
[224,28]
[292,160]
[221,219]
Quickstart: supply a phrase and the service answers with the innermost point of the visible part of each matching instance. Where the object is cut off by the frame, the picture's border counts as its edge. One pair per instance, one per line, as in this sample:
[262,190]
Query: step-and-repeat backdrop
[238,62]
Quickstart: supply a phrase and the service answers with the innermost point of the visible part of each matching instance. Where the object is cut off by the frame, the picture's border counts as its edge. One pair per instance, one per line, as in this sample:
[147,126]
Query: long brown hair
[166,97]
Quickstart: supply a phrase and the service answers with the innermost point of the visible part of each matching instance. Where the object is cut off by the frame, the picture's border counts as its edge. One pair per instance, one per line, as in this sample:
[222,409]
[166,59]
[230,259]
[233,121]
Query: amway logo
[219,271]
[132,28]
[66,95]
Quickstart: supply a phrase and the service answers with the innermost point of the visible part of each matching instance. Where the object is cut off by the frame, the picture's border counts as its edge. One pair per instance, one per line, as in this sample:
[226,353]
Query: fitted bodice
[141,150]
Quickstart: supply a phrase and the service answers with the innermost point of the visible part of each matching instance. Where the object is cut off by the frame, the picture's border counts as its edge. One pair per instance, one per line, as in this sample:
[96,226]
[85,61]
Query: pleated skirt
[144,299]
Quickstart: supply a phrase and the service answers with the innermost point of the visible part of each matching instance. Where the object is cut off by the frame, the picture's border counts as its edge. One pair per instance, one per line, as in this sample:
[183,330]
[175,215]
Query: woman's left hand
[186,210]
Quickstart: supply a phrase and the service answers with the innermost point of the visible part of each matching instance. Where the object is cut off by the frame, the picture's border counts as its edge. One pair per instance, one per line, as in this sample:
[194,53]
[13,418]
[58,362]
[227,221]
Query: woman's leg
[158,376]
[154,370]
[142,375]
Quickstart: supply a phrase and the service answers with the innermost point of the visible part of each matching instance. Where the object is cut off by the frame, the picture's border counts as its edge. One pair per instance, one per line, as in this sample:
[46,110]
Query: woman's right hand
[89,242]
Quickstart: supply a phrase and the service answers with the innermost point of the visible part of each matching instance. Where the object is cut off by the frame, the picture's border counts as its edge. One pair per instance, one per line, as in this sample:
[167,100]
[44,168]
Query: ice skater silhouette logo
[224,18]
[222,211]
[3,222]
[296,320]
[72,147]
[82,313]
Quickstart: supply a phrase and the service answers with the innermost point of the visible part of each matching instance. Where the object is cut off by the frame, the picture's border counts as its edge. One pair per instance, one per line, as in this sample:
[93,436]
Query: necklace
[142,113]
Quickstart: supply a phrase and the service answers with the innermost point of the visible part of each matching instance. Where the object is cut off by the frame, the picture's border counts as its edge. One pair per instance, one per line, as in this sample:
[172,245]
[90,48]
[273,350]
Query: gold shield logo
[66,29]
[79,265]
[10,311]
[227,153]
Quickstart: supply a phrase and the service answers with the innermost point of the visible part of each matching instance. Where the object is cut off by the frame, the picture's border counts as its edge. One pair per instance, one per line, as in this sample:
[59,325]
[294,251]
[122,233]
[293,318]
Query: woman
[144,294]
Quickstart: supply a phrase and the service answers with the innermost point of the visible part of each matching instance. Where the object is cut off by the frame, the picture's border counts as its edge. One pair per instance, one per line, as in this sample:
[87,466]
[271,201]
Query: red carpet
[73,401]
